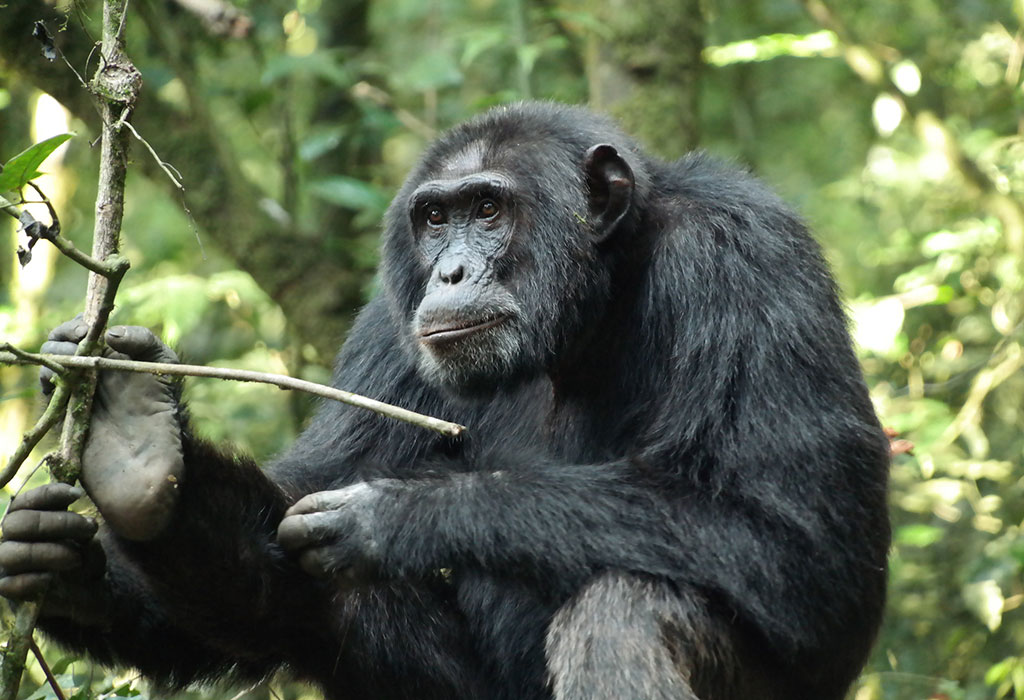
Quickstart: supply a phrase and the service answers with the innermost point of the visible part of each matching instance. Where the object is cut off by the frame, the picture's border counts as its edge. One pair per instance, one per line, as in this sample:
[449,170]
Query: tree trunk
[647,72]
[316,289]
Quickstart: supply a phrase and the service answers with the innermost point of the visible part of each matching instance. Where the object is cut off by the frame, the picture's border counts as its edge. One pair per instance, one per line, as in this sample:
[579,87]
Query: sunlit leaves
[985,599]
[25,166]
[980,236]
[918,535]
[1008,677]
[907,77]
[985,59]
[877,324]
[769,46]
[937,357]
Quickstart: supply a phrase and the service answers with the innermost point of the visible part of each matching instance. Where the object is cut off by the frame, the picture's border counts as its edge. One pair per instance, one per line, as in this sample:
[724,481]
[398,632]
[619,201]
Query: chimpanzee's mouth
[449,331]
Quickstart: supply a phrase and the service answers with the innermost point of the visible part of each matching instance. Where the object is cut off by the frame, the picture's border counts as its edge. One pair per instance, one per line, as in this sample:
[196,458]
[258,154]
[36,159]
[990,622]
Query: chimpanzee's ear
[610,184]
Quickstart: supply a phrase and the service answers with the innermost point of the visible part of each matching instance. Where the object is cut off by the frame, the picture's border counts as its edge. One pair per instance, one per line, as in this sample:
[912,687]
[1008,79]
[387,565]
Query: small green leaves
[24,166]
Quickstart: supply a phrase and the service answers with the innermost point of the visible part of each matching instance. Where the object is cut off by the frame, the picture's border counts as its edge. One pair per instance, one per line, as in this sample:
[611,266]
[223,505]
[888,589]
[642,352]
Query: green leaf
[322,64]
[431,71]
[918,535]
[350,193]
[527,56]
[320,141]
[25,166]
[1000,671]
[481,41]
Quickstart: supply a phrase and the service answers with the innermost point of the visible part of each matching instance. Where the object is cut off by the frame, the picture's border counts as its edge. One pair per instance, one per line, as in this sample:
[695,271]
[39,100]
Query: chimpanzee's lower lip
[438,335]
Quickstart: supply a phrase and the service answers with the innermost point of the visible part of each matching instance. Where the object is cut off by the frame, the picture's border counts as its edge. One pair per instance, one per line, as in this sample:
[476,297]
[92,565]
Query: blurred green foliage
[897,128]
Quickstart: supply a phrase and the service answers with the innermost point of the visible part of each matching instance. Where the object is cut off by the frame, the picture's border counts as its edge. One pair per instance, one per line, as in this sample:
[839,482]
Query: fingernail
[116,332]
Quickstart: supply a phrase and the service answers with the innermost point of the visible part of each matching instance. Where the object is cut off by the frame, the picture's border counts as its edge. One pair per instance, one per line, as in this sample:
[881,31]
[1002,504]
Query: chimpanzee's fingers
[53,347]
[62,340]
[70,331]
[312,503]
[58,347]
[298,531]
[38,557]
[139,343]
[24,586]
[54,496]
[315,562]
[331,500]
[47,526]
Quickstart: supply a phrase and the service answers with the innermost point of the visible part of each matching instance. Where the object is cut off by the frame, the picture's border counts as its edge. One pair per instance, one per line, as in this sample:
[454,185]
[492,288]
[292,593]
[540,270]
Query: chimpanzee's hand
[338,533]
[133,464]
[43,544]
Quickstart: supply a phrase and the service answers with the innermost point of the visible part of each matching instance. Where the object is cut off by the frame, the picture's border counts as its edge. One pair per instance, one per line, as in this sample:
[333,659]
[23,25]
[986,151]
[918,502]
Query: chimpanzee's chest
[532,419]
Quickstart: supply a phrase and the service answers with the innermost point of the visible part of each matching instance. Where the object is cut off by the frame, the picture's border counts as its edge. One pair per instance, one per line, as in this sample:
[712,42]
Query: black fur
[675,488]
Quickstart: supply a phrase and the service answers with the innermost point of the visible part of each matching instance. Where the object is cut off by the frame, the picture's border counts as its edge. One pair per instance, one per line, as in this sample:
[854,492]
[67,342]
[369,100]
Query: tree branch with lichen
[115,86]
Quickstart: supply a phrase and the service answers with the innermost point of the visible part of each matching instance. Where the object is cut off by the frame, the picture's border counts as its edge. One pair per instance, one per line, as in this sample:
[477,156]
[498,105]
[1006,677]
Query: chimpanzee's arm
[777,500]
[214,596]
[117,621]
[204,589]
[95,598]
[220,574]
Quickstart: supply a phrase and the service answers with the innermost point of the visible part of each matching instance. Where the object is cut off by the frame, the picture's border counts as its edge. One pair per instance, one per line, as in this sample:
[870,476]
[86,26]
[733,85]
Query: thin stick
[51,416]
[46,671]
[175,176]
[31,358]
[241,375]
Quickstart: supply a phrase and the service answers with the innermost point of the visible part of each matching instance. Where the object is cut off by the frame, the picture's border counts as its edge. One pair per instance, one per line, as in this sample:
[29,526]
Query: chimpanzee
[673,484]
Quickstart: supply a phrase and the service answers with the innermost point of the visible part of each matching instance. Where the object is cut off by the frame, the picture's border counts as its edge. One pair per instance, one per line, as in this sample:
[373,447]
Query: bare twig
[10,208]
[51,416]
[55,220]
[31,358]
[240,375]
[116,86]
[37,652]
[112,267]
[175,176]
[1001,366]
[364,91]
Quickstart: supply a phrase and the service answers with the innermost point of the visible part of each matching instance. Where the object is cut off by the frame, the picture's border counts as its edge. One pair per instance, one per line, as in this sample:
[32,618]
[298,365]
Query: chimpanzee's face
[469,324]
[493,253]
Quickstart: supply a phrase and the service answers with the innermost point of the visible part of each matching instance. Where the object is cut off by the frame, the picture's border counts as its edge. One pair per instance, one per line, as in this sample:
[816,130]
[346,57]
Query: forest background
[896,128]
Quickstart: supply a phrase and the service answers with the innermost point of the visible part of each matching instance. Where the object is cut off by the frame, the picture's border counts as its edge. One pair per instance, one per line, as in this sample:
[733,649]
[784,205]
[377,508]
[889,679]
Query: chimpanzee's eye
[435,216]
[488,209]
